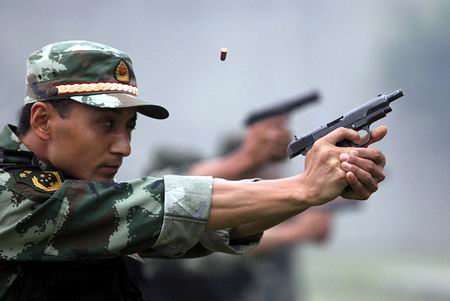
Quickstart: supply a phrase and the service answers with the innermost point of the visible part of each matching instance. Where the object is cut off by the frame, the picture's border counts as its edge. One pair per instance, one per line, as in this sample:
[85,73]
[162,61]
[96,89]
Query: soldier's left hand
[364,167]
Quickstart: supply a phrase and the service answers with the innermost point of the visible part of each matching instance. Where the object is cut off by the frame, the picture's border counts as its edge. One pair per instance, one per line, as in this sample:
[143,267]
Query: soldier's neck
[36,145]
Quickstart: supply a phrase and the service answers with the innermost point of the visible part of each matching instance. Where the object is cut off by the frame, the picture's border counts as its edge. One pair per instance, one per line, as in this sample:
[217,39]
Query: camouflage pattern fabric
[46,217]
[88,72]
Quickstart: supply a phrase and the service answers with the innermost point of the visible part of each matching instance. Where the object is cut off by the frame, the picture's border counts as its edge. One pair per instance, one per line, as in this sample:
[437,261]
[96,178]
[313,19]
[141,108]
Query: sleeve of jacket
[85,219]
[162,217]
[175,232]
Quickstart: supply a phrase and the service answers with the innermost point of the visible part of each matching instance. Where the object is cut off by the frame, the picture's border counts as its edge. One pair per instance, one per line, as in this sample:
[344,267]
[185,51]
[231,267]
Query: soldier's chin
[104,179]
[106,173]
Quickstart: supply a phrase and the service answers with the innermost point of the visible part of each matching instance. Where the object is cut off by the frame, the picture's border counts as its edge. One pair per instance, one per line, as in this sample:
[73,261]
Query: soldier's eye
[108,124]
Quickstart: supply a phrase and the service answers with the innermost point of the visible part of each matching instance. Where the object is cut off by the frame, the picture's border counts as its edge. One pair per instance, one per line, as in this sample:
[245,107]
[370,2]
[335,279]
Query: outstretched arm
[266,141]
[257,206]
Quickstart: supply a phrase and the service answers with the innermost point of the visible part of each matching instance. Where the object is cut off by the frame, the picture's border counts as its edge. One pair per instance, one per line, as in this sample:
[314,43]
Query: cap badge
[122,72]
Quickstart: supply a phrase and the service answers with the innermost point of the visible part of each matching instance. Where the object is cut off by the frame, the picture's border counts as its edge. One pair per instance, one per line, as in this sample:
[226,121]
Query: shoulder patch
[44,181]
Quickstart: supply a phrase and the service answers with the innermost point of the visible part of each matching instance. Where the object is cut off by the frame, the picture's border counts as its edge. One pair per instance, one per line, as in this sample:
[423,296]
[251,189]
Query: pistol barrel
[394,95]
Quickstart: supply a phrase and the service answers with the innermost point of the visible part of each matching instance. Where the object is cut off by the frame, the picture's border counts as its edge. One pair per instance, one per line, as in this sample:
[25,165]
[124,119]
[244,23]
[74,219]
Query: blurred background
[396,246]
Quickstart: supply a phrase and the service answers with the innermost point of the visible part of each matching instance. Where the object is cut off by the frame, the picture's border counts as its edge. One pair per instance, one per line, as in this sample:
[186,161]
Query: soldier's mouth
[109,169]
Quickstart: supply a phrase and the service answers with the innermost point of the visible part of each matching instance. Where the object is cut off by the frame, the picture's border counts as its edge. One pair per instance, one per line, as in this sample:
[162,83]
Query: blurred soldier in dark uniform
[268,272]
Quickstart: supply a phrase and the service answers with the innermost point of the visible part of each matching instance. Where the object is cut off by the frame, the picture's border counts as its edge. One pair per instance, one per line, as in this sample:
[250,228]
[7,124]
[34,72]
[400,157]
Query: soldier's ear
[41,115]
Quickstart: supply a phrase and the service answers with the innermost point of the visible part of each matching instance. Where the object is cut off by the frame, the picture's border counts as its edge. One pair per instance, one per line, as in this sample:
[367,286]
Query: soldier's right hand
[324,175]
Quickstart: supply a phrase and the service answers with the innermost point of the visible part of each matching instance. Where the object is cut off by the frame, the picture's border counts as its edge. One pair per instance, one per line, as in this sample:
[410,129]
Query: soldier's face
[90,143]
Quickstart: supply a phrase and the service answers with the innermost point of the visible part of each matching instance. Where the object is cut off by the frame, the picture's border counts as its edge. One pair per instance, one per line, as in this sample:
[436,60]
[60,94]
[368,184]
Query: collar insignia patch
[122,72]
[43,181]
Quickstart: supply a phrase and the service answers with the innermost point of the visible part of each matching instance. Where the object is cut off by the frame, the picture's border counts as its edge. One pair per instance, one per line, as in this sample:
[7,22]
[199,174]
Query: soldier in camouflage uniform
[67,230]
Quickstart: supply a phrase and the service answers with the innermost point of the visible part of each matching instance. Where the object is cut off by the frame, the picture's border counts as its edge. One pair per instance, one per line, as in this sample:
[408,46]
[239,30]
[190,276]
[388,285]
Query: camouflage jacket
[45,217]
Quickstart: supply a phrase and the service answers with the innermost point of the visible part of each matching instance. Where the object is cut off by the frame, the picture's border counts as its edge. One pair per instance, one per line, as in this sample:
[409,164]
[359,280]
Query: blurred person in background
[268,272]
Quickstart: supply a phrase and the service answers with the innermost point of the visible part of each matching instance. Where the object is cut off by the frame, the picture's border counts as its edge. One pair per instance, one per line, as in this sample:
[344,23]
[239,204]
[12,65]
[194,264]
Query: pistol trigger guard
[367,137]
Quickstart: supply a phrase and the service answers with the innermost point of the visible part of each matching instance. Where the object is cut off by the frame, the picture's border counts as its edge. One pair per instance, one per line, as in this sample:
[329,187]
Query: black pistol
[358,119]
[282,108]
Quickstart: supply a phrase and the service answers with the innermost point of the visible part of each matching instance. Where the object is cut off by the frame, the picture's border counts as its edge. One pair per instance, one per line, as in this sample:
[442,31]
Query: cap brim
[122,100]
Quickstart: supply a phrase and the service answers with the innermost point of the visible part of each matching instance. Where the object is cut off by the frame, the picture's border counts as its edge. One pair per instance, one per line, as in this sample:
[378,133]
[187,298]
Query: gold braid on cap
[96,87]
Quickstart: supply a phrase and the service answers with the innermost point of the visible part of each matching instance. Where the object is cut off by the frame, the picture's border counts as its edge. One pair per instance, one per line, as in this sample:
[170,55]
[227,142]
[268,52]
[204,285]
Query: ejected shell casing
[223,54]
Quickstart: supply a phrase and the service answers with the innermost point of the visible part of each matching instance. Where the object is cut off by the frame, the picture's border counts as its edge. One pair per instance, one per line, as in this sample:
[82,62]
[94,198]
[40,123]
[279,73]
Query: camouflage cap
[86,72]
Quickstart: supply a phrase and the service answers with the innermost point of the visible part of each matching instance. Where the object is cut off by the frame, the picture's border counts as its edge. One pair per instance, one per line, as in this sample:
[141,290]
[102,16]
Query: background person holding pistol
[65,223]
[266,274]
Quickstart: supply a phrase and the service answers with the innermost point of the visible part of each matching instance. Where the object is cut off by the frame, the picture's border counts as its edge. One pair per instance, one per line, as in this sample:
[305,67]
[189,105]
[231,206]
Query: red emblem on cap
[122,72]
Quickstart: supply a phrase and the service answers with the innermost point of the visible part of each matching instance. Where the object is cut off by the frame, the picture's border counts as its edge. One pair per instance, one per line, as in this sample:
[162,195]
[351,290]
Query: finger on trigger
[341,134]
